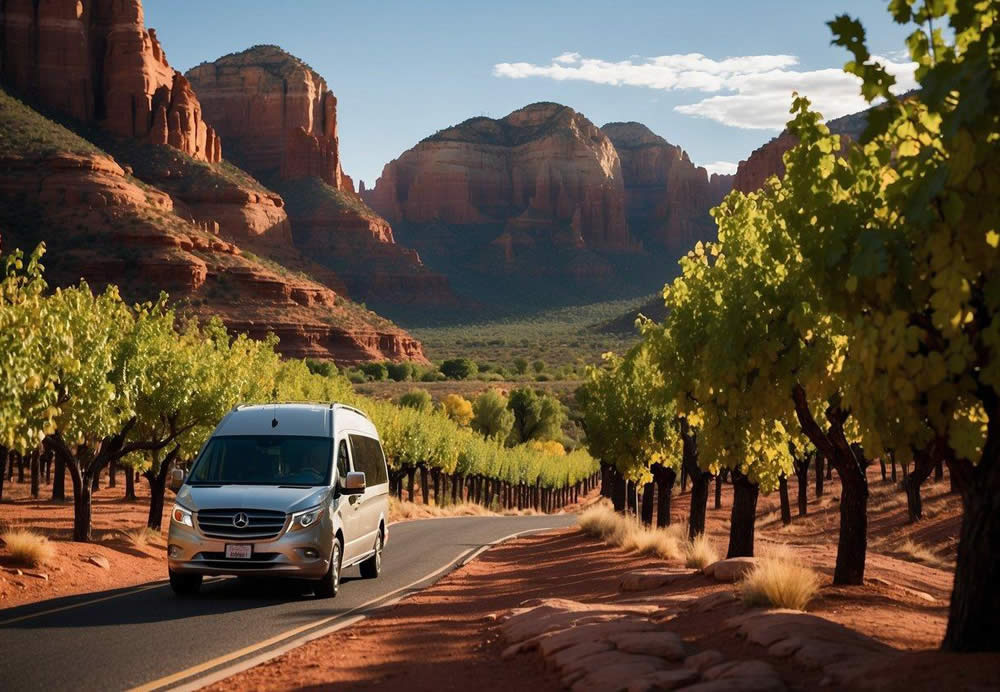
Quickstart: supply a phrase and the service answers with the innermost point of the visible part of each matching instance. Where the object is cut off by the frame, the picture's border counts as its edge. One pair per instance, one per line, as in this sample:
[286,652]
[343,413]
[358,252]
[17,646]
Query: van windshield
[264,460]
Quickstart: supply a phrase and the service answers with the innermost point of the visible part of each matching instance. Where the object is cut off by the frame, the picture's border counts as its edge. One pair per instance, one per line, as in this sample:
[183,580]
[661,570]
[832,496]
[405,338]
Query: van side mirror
[176,479]
[354,483]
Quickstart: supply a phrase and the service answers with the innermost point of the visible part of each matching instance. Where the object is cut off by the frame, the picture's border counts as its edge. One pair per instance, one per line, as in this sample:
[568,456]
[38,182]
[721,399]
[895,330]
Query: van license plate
[238,552]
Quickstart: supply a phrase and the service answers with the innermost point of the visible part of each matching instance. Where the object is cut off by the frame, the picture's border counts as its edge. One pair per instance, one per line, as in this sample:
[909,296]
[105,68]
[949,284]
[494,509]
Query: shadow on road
[159,604]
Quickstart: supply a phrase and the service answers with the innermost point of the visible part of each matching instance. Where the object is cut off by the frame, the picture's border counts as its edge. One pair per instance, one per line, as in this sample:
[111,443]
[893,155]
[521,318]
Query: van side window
[368,457]
[343,462]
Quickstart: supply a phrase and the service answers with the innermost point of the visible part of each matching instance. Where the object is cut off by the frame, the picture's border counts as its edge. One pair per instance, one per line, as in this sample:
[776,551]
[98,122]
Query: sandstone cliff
[667,196]
[279,119]
[96,62]
[103,224]
[543,168]
[768,160]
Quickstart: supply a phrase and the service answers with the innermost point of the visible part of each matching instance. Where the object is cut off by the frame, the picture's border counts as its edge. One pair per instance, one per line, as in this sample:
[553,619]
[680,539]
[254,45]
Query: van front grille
[241,524]
[218,560]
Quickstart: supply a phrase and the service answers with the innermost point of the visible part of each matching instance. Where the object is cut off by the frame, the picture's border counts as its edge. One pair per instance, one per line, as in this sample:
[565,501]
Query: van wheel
[329,585]
[184,584]
[372,567]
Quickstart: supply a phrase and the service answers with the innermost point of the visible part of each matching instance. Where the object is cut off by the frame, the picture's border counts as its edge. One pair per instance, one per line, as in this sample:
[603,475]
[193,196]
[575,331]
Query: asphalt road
[146,637]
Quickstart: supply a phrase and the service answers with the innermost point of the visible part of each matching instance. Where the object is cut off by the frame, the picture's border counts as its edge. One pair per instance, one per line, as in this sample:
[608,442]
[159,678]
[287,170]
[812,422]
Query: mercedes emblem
[240,520]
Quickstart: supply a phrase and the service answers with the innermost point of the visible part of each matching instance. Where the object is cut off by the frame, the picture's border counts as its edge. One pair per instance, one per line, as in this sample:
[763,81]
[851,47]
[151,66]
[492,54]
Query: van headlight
[182,516]
[305,519]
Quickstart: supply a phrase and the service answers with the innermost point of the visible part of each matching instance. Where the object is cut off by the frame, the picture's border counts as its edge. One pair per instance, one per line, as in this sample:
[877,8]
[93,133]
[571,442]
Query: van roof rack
[351,408]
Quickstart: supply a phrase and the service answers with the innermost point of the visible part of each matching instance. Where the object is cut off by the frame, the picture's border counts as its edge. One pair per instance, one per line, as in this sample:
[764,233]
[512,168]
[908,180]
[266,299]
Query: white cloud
[721,167]
[753,91]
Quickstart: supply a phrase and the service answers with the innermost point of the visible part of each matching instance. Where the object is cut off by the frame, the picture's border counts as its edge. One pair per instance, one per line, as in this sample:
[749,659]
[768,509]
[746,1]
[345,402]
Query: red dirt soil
[69,572]
[446,637]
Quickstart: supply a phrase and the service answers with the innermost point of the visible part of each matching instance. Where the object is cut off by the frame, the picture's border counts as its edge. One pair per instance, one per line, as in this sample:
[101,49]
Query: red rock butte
[544,165]
[95,61]
[279,114]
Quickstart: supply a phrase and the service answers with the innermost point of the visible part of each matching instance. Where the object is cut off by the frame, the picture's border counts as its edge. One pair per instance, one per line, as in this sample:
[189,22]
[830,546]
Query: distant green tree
[459,368]
[539,365]
[374,371]
[400,372]
[324,368]
[419,399]
[536,416]
[521,365]
[490,415]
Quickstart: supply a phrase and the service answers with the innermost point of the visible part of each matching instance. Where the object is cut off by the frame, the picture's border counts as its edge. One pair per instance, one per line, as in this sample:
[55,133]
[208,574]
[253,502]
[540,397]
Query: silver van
[289,490]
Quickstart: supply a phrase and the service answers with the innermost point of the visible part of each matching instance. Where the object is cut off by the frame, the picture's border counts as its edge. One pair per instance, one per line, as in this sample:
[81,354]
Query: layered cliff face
[667,197]
[768,160]
[544,168]
[104,224]
[96,62]
[278,115]
[279,118]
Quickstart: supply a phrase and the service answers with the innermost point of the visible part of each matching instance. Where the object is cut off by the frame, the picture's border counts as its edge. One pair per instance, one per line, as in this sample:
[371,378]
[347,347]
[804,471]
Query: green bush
[401,372]
[459,368]
[419,399]
[374,371]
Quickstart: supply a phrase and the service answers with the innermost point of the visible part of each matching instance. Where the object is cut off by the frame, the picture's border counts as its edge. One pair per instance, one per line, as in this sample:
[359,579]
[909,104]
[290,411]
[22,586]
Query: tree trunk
[974,615]
[59,479]
[939,470]
[647,504]
[684,479]
[436,479]
[718,489]
[129,485]
[113,475]
[820,461]
[425,489]
[665,478]
[607,481]
[881,462]
[699,480]
[923,464]
[829,472]
[36,473]
[411,473]
[619,492]
[95,484]
[802,476]
[892,466]
[630,494]
[20,468]
[744,516]
[81,504]
[489,493]
[3,468]
[786,508]
[157,489]
[852,544]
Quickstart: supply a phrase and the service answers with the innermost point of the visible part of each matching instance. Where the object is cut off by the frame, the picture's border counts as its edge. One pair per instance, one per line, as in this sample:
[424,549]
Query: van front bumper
[302,553]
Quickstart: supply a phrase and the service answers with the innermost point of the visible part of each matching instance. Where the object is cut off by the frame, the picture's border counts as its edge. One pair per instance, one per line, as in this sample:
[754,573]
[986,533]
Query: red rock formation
[544,166]
[280,119]
[667,196]
[102,226]
[768,160]
[96,62]
[274,111]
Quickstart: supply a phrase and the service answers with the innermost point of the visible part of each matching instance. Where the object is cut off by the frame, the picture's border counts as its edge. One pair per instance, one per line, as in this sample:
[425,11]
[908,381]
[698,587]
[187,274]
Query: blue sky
[402,70]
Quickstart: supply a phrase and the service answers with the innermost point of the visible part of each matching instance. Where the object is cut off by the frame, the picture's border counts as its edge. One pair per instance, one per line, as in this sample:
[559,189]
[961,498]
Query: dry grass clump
[700,552]
[776,581]
[912,550]
[27,547]
[601,521]
[400,510]
[141,536]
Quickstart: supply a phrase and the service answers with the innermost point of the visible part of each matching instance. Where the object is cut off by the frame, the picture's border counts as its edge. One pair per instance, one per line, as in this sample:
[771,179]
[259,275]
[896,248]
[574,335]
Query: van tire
[372,567]
[184,584]
[329,585]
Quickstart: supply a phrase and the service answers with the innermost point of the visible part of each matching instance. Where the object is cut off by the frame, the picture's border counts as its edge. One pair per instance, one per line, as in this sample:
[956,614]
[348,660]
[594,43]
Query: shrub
[374,371]
[400,372]
[141,536]
[28,548]
[459,368]
[419,399]
[432,376]
[539,366]
[321,367]
[603,522]
[458,408]
[521,365]
[490,415]
[779,583]
[700,552]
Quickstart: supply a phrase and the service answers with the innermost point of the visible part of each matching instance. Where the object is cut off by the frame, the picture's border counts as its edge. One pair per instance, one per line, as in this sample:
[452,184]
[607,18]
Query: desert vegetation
[844,318]
[92,383]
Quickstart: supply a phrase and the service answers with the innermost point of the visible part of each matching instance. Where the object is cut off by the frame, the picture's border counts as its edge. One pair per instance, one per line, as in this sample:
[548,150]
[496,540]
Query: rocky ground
[564,610]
